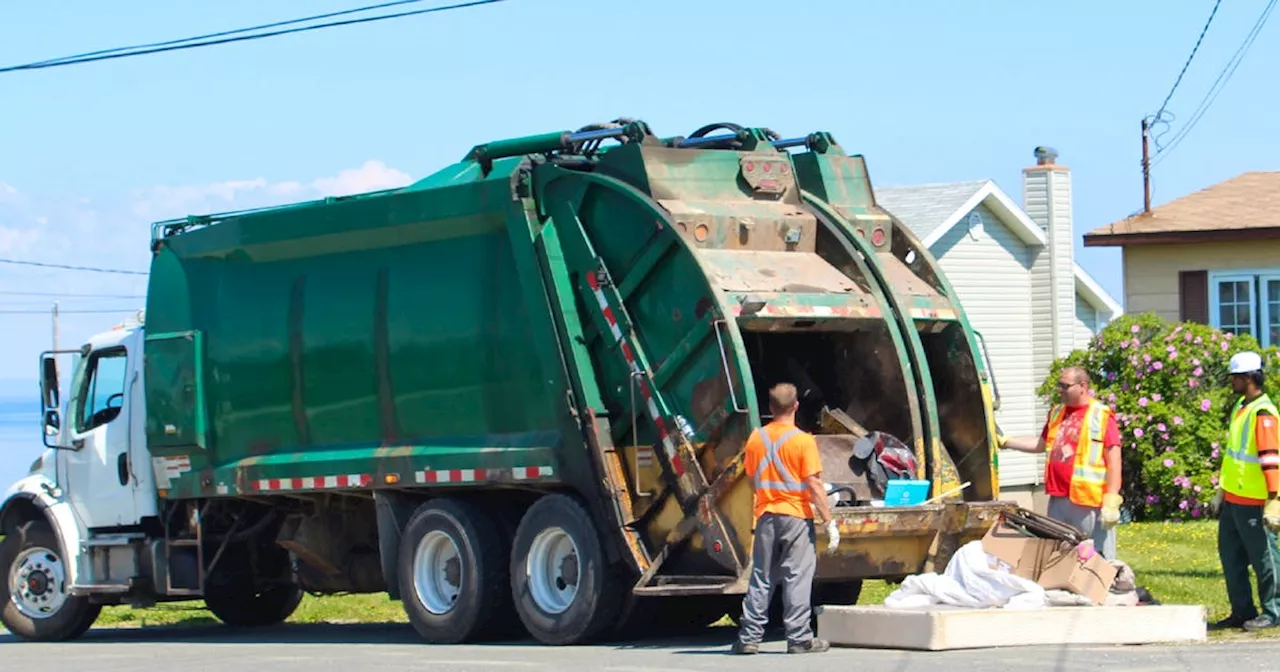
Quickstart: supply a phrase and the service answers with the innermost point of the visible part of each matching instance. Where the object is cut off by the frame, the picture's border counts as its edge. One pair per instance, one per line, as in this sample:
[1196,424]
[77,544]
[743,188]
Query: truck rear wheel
[34,603]
[564,591]
[453,572]
[255,609]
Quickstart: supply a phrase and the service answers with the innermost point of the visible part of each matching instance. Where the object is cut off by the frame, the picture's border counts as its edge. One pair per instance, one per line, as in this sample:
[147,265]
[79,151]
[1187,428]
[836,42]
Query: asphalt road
[371,648]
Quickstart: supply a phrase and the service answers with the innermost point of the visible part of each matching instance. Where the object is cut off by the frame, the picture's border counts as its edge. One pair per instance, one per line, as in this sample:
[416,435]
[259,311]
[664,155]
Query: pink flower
[1192,382]
[1161,427]
[1214,455]
[1195,513]
[1143,401]
[1157,365]
[1137,431]
[1198,372]
[1146,358]
[1213,480]
[1156,397]
[1177,419]
[1197,488]
[1205,404]
[1124,344]
[1165,437]
[1224,346]
[1198,340]
[1112,396]
[1168,462]
[1182,505]
[1134,329]
[1195,362]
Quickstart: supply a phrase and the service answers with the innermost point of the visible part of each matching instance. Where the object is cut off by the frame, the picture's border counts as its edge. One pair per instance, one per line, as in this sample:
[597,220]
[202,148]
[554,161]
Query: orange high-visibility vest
[1089,472]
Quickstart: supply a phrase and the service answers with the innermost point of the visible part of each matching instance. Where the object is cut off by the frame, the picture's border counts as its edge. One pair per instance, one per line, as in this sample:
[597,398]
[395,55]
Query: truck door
[97,473]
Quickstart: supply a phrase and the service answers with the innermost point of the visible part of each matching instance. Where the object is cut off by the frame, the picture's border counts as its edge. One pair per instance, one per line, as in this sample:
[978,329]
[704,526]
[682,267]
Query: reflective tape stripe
[771,457]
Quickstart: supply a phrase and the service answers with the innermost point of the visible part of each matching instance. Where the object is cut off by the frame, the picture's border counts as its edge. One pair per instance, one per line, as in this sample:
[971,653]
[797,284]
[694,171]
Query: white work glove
[1215,504]
[833,536]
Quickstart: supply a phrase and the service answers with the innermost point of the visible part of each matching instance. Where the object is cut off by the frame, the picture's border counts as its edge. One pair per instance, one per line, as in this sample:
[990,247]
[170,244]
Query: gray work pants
[784,553]
[1088,521]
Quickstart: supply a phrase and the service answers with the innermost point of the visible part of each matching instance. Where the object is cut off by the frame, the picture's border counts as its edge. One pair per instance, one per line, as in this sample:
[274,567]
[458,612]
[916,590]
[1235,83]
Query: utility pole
[1146,167]
[55,339]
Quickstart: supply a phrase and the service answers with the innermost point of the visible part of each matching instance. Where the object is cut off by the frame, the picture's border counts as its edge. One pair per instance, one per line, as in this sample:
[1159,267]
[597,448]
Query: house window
[1246,302]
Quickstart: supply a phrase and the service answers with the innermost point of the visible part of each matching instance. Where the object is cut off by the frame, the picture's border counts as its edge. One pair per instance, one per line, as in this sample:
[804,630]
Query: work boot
[1232,621]
[814,645]
[1260,623]
[742,648]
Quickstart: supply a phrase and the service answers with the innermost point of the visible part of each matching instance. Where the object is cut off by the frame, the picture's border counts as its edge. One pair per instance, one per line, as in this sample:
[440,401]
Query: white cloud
[15,242]
[166,202]
[372,176]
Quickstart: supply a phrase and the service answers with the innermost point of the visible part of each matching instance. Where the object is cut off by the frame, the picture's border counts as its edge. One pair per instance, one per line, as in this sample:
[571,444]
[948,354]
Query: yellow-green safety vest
[1241,473]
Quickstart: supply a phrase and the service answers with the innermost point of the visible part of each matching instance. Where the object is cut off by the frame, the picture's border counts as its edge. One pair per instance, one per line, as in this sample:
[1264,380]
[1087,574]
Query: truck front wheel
[34,603]
[453,572]
[564,591]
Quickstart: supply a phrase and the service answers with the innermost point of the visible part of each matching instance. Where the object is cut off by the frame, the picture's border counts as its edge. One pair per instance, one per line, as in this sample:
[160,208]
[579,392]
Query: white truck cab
[70,526]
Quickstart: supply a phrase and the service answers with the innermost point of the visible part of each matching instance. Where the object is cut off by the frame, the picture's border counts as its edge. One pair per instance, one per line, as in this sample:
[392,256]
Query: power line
[67,295]
[70,60]
[1158,117]
[231,32]
[91,269]
[1218,84]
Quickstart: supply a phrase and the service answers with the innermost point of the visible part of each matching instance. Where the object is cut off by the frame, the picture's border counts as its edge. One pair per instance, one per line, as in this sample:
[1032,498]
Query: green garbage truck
[513,395]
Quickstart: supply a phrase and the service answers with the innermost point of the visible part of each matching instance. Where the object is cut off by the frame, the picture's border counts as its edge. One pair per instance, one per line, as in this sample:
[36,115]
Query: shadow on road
[713,640]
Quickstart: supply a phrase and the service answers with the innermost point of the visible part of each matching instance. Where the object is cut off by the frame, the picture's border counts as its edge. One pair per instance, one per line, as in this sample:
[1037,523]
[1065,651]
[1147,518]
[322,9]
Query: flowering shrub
[1167,383]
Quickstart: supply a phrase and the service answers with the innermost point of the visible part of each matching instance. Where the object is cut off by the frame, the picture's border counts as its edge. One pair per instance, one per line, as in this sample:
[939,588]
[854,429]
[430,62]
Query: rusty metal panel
[758,271]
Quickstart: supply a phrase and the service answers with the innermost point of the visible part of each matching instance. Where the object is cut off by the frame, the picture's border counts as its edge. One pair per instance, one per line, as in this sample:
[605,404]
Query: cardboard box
[1050,563]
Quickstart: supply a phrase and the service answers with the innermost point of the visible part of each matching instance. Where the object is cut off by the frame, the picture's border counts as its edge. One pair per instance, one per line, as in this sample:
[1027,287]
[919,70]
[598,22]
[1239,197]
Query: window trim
[90,376]
[1259,312]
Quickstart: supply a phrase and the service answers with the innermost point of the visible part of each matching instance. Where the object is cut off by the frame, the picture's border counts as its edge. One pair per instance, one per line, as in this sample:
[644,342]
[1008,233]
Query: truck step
[110,588]
[99,541]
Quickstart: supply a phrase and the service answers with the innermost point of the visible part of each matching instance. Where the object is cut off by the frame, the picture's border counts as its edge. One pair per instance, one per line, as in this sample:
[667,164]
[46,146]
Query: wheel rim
[552,570]
[437,572]
[38,583]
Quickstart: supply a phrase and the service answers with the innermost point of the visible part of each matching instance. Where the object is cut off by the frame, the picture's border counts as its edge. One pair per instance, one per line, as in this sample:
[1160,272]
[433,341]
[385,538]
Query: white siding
[1036,204]
[990,270]
[1086,323]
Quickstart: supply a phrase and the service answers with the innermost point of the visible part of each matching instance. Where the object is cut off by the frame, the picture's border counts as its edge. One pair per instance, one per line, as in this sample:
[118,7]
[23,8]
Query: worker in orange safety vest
[1082,472]
[785,469]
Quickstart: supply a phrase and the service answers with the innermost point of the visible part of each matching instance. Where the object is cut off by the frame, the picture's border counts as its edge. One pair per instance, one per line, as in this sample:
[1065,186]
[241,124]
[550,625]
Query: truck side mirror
[49,381]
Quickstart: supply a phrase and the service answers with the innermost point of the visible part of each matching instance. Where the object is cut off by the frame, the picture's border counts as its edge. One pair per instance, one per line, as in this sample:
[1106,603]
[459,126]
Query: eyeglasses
[1066,386]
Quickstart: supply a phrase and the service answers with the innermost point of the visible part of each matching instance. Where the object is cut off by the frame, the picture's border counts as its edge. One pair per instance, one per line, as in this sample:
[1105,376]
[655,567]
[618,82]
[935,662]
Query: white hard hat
[1245,362]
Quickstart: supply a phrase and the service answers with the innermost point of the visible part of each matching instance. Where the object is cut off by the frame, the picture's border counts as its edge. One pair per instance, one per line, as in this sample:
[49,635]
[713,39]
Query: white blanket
[975,579]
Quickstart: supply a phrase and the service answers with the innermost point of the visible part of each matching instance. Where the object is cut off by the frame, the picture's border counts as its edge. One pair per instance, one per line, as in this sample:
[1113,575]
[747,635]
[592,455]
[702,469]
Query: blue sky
[929,91]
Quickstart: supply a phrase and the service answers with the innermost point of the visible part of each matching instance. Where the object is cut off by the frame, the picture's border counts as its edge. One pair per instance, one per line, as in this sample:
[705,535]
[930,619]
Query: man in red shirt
[1082,472]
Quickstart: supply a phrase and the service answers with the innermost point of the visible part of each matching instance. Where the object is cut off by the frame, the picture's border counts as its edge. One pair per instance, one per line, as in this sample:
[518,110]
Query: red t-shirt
[1061,460]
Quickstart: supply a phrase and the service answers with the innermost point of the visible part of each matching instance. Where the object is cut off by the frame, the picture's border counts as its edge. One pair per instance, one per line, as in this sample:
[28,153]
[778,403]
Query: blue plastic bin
[904,492]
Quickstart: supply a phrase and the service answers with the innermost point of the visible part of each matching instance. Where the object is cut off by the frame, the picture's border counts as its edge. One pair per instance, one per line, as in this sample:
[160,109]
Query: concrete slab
[941,628]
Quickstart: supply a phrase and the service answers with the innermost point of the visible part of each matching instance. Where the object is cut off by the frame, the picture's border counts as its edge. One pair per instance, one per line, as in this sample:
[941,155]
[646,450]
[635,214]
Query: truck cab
[68,525]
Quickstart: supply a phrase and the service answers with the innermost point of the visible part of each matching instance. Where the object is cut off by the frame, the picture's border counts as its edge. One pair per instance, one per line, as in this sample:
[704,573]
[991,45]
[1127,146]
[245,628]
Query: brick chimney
[1046,198]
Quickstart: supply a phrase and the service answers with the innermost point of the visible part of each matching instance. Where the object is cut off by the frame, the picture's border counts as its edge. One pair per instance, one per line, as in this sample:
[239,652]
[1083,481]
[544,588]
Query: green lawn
[1177,562]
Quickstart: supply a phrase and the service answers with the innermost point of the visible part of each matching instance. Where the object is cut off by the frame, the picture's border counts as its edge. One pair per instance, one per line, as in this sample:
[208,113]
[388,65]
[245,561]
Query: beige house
[1211,257]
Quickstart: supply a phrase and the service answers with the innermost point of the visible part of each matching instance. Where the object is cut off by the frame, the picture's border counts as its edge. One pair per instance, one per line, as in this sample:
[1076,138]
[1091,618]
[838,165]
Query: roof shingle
[925,207]
[1248,201]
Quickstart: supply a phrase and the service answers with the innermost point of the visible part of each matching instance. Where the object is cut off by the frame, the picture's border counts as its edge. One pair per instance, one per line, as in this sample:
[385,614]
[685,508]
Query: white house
[1014,271]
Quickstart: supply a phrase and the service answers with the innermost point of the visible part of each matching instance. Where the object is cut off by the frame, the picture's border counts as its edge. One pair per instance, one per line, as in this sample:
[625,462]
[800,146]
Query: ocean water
[20,442]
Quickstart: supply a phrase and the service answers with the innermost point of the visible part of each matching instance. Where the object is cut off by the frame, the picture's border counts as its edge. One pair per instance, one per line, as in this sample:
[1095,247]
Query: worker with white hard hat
[1246,500]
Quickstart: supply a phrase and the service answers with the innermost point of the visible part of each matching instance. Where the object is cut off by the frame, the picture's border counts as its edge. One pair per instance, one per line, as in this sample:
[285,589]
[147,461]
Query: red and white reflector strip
[667,445]
[449,476]
[313,483]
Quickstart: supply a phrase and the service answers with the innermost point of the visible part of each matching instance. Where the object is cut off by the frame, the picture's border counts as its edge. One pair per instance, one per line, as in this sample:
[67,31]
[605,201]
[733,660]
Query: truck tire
[453,573]
[240,609]
[33,601]
[564,591]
